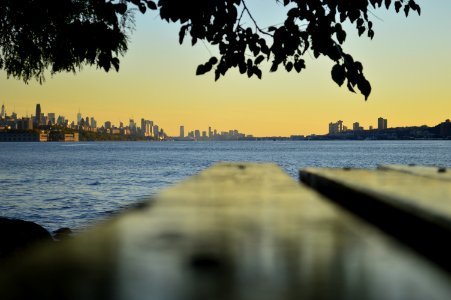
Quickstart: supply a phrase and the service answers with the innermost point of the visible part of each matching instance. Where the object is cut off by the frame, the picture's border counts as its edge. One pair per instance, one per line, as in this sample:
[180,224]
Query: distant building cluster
[338,127]
[212,135]
[49,125]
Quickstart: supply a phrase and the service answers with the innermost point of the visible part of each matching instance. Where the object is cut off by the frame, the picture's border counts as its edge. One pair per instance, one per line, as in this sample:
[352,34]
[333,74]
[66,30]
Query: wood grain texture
[235,231]
[414,208]
[440,173]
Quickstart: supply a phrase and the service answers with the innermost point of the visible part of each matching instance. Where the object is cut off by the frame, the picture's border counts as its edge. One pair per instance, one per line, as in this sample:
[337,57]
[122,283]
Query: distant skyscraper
[210,133]
[107,125]
[182,131]
[37,116]
[79,117]
[156,132]
[381,123]
[2,113]
[93,123]
[197,134]
[52,118]
[132,126]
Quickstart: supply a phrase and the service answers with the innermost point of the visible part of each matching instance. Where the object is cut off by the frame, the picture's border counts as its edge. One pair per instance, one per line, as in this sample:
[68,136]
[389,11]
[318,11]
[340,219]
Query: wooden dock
[249,231]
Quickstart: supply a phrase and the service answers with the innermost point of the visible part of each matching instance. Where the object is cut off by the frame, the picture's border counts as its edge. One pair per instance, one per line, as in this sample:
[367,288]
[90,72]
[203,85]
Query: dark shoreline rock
[62,233]
[18,235]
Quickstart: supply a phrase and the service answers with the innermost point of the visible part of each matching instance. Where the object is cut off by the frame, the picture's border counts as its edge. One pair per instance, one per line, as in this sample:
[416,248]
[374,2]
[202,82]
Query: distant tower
[37,117]
[2,114]
[182,131]
[79,117]
[381,123]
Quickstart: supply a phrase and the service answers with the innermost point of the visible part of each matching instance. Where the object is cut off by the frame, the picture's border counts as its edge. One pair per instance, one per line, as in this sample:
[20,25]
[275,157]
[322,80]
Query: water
[75,185]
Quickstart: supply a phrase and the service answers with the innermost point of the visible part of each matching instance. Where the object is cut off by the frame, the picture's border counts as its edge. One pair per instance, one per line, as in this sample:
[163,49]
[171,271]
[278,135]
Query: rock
[62,233]
[18,235]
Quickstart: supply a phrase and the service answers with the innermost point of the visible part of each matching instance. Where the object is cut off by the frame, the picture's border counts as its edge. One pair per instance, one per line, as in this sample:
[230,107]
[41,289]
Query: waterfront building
[107,125]
[52,118]
[356,126]
[93,123]
[182,131]
[61,121]
[23,136]
[25,124]
[381,123]
[197,134]
[3,112]
[336,127]
[132,126]
[333,128]
[156,132]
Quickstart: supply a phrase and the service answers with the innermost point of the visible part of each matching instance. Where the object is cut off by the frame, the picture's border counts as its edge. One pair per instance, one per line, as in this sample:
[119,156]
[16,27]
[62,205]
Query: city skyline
[407,64]
[149,128]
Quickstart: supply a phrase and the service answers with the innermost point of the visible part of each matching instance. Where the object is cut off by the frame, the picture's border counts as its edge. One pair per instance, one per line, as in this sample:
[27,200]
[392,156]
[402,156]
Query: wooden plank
[416,209]
[235,231]
[441,173]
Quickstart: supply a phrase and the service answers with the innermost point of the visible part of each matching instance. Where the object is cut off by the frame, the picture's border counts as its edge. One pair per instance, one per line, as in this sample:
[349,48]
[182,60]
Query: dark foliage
[65,34]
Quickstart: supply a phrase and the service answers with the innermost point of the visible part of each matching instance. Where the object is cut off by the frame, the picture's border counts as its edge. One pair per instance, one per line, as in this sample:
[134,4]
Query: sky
[407,63]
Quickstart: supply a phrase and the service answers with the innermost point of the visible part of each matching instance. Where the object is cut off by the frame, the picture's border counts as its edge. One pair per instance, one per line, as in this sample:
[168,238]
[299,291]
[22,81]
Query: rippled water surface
[76,184]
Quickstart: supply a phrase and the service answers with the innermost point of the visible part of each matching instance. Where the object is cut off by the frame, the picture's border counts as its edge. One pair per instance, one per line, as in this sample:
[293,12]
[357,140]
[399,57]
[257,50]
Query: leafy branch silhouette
[64,35]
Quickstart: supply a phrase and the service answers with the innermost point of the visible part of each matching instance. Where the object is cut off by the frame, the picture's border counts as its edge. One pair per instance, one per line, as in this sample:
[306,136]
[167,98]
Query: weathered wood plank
[416,209]
[235,231]
[441,173]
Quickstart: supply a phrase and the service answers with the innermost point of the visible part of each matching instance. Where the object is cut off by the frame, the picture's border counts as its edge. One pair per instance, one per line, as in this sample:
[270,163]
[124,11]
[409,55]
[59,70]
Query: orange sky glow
[407,63]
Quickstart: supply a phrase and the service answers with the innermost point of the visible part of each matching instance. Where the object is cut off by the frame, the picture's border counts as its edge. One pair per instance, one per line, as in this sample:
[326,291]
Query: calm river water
[76,184]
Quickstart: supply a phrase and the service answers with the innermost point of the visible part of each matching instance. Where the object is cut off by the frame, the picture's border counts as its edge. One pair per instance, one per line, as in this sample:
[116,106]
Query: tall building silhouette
[182,131]
[37,117]
[381,123]
[3,113]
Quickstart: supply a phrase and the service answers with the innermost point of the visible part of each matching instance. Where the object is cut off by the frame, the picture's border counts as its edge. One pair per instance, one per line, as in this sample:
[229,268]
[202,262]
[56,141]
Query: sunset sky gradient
[408,64]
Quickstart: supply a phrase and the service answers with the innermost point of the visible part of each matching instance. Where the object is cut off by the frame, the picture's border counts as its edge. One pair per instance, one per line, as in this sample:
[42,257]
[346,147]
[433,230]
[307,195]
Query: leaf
[257,72]
[387,4]
[299,65]
[217,74]
[358,66]
[200,70]
[259,59]
[274,67]
[398,6]
[364,87]
[350,88]
[120,8]
[406,10]
[338,74]
[293,13]
[361,30]
[341,35]
[142,8]
[182,33]
[213,61]
[249,72]
[289,66]
[271,28]
[115,62]
[242,67]
[151,5]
